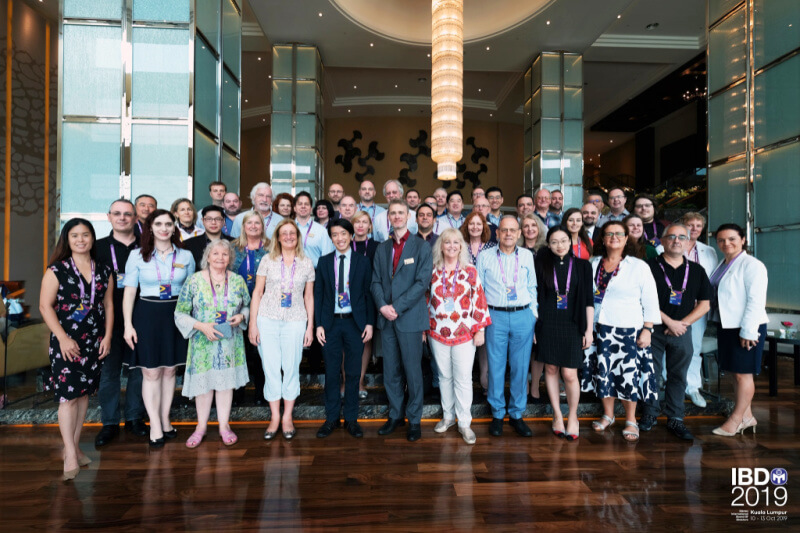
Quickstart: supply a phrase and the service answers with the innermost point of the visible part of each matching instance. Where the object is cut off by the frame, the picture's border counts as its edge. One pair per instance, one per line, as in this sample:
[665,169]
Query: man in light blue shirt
[316,242]
[366,192]
[453,216]
[381,227]
[261,196]
[509,282]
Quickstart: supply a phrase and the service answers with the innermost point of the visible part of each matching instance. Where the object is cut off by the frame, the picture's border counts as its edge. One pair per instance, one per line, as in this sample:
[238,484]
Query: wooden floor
[386,483]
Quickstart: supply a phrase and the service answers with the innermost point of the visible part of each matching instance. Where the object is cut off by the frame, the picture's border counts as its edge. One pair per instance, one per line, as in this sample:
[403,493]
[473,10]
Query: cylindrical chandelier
[447,85]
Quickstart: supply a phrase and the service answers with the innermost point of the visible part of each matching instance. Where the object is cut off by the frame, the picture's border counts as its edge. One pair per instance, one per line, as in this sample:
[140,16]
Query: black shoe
[414,432]
[520,427]
[137,427]
[171,434]
[496,427]
[327,428]
[106,435]
[391,425]
[158,443]
[647,422]
[354,429]
[676,427]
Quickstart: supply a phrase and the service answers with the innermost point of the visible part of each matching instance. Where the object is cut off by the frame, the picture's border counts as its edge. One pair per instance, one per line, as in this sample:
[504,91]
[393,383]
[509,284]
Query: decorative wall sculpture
[472,176]
[420,143]
[352,152]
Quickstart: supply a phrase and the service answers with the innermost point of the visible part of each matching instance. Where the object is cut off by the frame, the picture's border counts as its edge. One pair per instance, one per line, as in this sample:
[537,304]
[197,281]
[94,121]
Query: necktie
[340,288]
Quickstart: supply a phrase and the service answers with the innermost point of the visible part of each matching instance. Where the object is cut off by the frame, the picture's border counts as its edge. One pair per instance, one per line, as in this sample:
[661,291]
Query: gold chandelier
[447,85]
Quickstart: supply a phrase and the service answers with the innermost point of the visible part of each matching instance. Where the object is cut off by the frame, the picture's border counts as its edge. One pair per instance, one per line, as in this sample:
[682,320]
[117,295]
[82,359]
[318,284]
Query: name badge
[675,297]
[343,299]
[220,317]
[408,261]
[180,265]
[511,293]
[251,283]
[449,305]
[165,291]
[655,241]
[598,297]
[120,278]
[561,302]
[286,299]
[80,313]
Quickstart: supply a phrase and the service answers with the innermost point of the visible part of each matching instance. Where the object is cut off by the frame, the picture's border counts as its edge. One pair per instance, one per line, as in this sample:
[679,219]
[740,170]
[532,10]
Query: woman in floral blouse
[458,317]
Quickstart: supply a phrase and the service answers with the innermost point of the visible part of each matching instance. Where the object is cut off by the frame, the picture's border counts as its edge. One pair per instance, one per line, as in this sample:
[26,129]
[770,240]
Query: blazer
[360,297]
[631,297]
[406,289]
[742,296]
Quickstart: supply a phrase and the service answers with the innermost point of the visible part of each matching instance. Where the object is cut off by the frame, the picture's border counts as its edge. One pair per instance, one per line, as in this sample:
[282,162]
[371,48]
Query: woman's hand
[321,335]
[130,337]
[236,320]
[207,329]
[308,338]
[747,344]
[588,339]
[252,334]
[69,348]
[479,338]
[105,346]
[644,339]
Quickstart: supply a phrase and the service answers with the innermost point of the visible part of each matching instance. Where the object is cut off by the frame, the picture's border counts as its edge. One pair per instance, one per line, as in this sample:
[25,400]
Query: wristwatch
[651,329]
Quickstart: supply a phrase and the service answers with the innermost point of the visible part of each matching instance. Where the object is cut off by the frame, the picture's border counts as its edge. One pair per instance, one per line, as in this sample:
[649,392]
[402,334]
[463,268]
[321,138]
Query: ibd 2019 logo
[757,487]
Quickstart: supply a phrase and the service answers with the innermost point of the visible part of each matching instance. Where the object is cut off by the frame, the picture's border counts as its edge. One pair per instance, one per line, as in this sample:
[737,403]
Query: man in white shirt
[261,197]
[453,217]
[347,207]
[316,241]
[589,214]
[366,192]
[381,226]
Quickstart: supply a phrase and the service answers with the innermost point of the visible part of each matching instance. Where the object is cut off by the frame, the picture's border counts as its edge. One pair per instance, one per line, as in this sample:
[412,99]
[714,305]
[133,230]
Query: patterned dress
[71,380]
[212,365]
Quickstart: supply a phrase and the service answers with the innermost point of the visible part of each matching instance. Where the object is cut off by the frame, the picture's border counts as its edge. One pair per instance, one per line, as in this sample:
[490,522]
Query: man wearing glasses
[495,197]
[213,220]
[616,201]
[261,197]
[684,295]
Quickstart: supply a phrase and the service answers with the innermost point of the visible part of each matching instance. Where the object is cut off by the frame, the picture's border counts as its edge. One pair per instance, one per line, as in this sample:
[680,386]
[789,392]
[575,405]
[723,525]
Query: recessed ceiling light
[488,48]
[429,55]
[348,110]
[491,115]
[263,120]
[619,16]
[372,44]
[270,76]
[355,86]
[548,22]
[479,90]
[398,109]
[395,86]
[320,13]
[651,26]
[612,140]
[245,100]
[259,59]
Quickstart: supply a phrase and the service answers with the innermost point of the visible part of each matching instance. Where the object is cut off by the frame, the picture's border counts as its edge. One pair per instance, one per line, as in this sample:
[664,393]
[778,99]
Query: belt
[509,309]
[342,315]
[156,299]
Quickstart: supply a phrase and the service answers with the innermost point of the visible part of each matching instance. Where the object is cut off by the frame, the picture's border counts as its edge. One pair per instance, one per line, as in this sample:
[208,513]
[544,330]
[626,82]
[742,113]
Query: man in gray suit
[401,274]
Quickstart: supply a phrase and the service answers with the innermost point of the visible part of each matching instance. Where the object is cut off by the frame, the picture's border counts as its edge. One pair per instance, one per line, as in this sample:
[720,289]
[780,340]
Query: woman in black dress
[76,302]
[564,328]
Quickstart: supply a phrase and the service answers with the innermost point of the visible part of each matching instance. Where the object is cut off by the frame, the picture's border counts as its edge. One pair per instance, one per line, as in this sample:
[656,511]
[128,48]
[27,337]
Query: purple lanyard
[214,293]
[669,283]
[283,274]
[80,281]
[696,255]
[366,242]
[171,272]
[569,279]
[247,254]
[268,219]
[720,271]
[516,267]
[336,271]
[364,208]
[305,239]
[114,258]
[451,220]
[444,281]
[570,261]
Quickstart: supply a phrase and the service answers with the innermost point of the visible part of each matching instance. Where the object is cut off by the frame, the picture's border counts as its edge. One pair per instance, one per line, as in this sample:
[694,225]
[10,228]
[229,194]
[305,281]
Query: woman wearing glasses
[620,364]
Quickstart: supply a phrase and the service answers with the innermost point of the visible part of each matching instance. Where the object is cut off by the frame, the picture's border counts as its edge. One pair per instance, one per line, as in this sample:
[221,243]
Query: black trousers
[343,339]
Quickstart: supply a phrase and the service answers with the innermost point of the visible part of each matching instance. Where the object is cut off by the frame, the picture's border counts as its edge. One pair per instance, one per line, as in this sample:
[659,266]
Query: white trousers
[281,348]
[455,379]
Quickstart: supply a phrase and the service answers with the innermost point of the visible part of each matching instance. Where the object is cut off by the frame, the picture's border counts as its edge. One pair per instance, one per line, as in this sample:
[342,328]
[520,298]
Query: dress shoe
[391,425]
[354,429]
[468,435]
[496,427]
[289,435]
[647,422]
[414,432]
[84,461]
[137,427]
[269,435]
[677,428]
[157,443]
[520,427]
[697,398]
[327,428]
[70,474]
[106,434]
[171,434]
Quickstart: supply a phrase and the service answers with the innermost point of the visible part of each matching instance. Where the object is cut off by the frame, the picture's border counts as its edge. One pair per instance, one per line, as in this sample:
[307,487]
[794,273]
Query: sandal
[598,425]
[195,439]
[630,436]
[229,438]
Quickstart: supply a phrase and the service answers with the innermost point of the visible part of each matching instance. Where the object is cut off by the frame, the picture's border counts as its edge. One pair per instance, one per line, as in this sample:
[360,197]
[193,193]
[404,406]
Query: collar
[310,221]
[499,249]
[114,240]
[346,253]
[663,260]
[403,239]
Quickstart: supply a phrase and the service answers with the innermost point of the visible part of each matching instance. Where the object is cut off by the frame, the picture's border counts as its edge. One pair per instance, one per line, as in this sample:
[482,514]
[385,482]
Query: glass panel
[281,129]
[231,37]
[551,134]
[573,70]
[306,63]
[281,95]
[92,71]
[526,121]
[206,163]
[160,162]
[551,69]
[728,58]
[536,74]
[727,197]
[230,170]
[172,11]
[527,179]
[726,124]
[207,17]
[282,62]
[160,73]
[551,169]
[573,196]
[573,135]
[306,129]
[551,102]
[205,87]
[719,8]
[93,9]
[537,171]
[573,103]
[90,166]
[306,169]
[230,112]
[281,164]
[776,31]
[777,187]
[536,138]
[777,114]
[527,85]
[783,291]
[528,148]
[536,106]
[573,172]
[306,96]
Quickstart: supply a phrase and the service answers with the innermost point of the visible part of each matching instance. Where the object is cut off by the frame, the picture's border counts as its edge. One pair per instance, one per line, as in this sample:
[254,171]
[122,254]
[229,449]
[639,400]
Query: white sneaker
[443,425]
[468,435]
[697,398]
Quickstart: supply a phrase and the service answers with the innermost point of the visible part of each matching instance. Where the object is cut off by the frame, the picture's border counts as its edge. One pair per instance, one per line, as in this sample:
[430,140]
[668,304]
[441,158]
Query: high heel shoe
[722,433]
[70,474]
[749,423]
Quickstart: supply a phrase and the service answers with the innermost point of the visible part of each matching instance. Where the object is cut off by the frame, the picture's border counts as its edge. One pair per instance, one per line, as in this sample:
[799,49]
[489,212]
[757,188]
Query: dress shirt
[611,217]
[430,239]
[447,221]
[703,254]
[631,298]
[492,278]
[316,242]
[336,309]
[381,227]
[559,216]
[494,219]
[371,210]
[590,230]
[397,250]
[270,221]
[144,275]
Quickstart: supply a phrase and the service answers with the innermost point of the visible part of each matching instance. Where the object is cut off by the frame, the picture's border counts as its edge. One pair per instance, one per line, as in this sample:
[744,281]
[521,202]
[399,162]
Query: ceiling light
[263,120]
[245,100]
[612,140]
[429,55]
[651,26]
[395,86]
[320,13]
[488,48]
[372,44]
[259,59]
[447,86]
[270,76]
[619,16]
[491,115]
[355,86]
[548,22]
[398,109]
[348,110]
[479,90]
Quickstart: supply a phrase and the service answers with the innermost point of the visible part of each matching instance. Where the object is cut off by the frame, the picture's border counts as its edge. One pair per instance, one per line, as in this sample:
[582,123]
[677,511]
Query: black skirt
[734,358]
[160,344]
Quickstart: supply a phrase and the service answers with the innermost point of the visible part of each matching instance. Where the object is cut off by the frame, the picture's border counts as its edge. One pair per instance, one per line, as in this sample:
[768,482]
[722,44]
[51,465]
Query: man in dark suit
[401,274]
[345,316]
[213,222]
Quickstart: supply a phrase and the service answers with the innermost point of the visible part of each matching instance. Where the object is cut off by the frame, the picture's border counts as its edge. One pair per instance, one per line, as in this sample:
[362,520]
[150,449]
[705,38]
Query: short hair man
[431,201]
[381,226]
[590,214]
[217,191]
[316,241]
[335,194]
[453,216]
[412,199]
[524,205]
[596,197]
[542,210]
[478,192]
[495,197]
[644,206]
[261,197]
[426,217]
[441,201]
[616,204]
[232,206]
[213,218]
[145,204]
[366,192]
[347,207]
[557,203]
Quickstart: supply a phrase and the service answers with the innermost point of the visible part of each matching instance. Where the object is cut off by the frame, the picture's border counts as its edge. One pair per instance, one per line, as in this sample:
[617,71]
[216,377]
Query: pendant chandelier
[447,85]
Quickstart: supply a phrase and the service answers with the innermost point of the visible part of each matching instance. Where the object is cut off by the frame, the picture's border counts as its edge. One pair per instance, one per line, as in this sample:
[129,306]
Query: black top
[121,252]
[649,234]
[697,286]
[367,249]
[430,239]
[580,285]
[197,245]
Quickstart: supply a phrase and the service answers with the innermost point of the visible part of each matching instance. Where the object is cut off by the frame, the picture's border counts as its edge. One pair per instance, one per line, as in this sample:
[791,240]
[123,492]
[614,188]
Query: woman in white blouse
[740,281]
[186,215]
[620,363]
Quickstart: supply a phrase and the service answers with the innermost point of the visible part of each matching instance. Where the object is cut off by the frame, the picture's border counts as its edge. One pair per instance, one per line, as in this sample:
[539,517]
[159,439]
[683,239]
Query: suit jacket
[360,296]
[406,289]
[197,245]
[742,296]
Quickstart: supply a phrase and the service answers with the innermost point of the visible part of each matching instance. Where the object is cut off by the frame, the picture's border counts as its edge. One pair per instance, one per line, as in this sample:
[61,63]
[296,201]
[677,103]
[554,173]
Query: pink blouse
[469,313]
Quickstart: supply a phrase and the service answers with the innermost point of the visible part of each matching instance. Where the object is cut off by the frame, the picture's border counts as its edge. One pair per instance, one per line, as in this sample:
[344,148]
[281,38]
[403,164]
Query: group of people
[576,295]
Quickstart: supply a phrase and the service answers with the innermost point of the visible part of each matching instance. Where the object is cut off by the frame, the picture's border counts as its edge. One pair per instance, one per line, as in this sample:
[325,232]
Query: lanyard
[600,269]
[444,281]
[80,282]
[364,208]
[214,293]
[569,279]
[452,221]
[579,255]
[247,255]
[669,283]
[283,274]
[336,271]
[114,258]
[516,267]
[655,230]
[310,225]
[474,258]
[695,253]
[171,272]
[720,271]
[366,242]
[268,219]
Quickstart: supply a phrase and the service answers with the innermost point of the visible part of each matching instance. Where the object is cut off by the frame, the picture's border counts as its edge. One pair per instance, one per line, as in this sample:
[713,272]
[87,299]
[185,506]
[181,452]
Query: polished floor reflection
[386,483]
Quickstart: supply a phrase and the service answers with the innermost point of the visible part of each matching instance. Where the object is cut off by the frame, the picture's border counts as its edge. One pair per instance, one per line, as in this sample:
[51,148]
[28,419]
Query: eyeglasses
[610,234]
[648,204]
[679,237]
[618,197]
[494,197]
[507,230]
[121,214]
[212,219]
[596,201]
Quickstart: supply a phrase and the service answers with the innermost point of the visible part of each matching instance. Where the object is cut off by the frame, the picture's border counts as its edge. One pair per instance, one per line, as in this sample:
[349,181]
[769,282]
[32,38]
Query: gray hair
[219,243]
[396,182]
[438,256]
[676,225]
[256,187]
